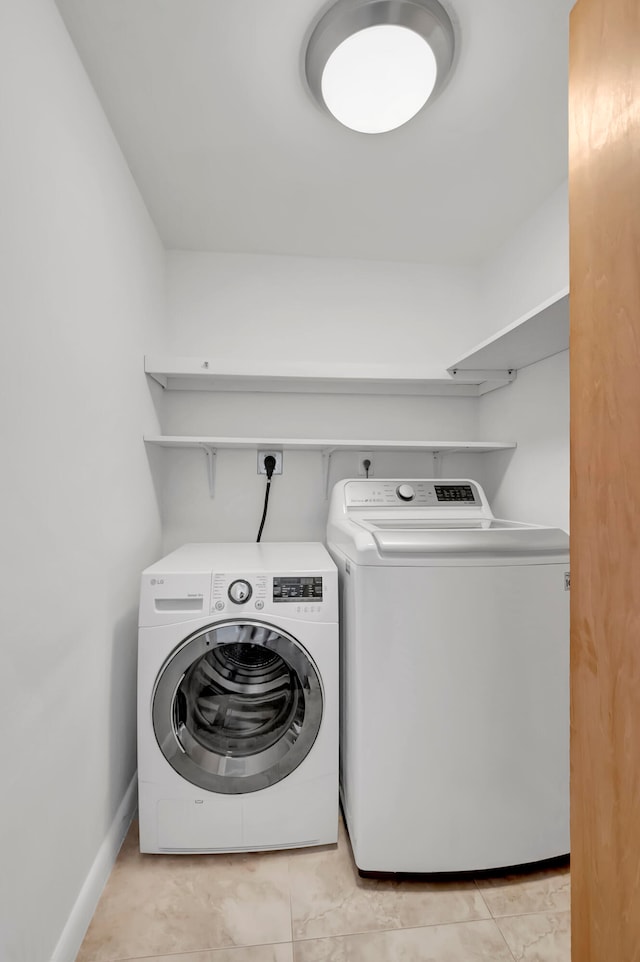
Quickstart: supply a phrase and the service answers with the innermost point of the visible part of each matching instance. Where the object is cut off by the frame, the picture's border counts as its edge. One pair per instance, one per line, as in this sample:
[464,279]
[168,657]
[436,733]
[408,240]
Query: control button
[219,606]
[259,605]
[405,492]
[239,591]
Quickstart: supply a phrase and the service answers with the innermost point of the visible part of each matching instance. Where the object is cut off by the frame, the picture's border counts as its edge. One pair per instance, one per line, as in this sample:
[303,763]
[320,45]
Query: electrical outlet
[362,457]
[275,454]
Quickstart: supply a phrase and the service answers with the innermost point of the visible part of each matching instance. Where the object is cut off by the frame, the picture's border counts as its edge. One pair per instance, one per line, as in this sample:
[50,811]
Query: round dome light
[373,64]
[379,78]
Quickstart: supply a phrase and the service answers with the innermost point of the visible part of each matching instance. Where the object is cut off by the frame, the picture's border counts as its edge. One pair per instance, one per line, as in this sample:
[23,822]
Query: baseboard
[85,905]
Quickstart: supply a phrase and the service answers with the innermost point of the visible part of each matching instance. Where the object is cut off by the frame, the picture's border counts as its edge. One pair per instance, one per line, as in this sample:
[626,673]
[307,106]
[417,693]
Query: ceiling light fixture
[373,64]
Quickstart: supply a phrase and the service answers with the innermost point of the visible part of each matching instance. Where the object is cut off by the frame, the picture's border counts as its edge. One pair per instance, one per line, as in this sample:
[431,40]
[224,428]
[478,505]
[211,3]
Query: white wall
[532,482]
[303,310]
[531,267]
[81,300]
[297,506]
[259,307]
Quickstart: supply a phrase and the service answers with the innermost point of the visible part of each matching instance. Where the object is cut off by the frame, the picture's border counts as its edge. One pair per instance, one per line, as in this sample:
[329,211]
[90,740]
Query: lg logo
[157,581]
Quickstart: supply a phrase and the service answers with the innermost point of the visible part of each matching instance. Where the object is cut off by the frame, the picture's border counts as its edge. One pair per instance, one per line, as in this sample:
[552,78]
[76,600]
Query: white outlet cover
[276,454]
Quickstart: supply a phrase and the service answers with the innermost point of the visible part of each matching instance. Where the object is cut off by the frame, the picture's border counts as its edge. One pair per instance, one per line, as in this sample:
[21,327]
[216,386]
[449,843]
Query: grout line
[194,952]
[398,928]
[518,915]
[484,901]
[290,901]
[505,941]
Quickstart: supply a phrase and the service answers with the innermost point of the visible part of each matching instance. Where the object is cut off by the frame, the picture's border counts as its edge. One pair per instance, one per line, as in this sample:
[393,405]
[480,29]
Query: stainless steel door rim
[237,706]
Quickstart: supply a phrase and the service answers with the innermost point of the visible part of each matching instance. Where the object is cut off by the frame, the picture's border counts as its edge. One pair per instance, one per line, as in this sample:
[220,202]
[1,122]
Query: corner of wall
[82,912]
[531,267]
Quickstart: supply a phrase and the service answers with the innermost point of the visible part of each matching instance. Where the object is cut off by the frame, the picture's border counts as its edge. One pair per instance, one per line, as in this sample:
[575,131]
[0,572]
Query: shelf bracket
[161,379]
[326,466]
[211,468]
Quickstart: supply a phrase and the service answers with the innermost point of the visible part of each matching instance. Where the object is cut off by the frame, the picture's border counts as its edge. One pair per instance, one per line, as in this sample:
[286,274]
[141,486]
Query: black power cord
[269,466]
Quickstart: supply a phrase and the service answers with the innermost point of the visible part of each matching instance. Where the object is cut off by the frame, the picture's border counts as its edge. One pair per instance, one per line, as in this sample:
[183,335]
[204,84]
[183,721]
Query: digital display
[297,589]
[454,492]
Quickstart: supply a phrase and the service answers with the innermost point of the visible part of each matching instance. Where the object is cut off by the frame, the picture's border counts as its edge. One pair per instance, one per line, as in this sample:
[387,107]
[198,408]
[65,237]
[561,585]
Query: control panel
[454,492]
[371,493]
[234,595]
[294,589]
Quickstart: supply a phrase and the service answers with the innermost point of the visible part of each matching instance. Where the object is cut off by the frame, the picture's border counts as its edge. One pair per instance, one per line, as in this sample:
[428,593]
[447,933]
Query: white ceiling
[230,152]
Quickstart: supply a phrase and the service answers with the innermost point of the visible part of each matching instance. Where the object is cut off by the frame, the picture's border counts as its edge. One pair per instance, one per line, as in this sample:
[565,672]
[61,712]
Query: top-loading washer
[238,699]
[455,678]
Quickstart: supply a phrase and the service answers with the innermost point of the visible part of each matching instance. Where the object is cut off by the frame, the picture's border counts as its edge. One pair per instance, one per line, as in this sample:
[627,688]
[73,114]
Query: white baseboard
[85,905]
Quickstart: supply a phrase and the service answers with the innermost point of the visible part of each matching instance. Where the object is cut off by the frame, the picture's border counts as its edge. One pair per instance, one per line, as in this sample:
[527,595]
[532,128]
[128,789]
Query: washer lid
[486,538]
[432,521]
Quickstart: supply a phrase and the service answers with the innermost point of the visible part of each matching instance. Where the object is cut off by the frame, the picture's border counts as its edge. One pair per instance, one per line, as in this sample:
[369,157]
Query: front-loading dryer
[238,699]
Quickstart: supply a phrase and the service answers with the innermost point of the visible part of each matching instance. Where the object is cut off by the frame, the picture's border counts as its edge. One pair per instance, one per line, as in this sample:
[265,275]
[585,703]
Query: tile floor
[310,905]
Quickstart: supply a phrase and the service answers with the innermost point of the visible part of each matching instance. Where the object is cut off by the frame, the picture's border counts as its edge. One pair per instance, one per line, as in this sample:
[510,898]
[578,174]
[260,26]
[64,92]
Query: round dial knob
[239,591]
[405,492]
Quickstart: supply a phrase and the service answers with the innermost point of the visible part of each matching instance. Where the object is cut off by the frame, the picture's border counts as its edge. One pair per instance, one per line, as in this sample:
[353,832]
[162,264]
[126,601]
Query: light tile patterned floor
[311,905]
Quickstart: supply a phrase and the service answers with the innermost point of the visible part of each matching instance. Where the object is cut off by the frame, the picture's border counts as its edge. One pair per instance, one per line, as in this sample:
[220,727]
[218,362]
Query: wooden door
[604,191]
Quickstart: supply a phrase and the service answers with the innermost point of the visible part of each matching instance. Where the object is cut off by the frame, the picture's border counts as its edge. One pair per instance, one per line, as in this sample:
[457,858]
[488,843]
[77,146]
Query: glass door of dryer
[237,707]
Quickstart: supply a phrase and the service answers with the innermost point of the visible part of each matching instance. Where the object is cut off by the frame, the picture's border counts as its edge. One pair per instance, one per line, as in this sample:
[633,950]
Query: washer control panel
[295,589]
[433,494]
[232,594]
[455,492]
